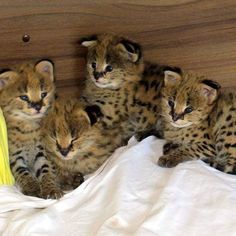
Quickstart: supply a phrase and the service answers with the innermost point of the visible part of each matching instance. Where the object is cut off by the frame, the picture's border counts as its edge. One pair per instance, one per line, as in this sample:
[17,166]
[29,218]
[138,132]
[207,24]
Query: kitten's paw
[78,180]
[167,161]
[52,193]
[168,147]
[31,188]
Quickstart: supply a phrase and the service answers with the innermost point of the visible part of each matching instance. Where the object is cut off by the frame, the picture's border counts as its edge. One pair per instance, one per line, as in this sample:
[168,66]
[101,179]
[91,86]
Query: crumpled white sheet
[130,195]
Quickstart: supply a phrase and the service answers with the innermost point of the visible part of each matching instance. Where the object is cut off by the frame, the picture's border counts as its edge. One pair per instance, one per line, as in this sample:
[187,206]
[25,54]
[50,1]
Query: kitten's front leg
[29,185]
[186,153]
[47,178]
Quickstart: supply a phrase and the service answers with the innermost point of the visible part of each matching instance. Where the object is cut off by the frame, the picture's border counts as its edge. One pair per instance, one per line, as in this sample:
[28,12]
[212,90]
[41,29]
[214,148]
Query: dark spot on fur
[21,169]
[228,118]
[38,155]
[219,114]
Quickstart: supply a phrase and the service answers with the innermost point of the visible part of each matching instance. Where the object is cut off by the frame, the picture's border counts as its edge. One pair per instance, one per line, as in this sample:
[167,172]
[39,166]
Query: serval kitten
[200,122]
[26,94]
[125,88]
[76,143]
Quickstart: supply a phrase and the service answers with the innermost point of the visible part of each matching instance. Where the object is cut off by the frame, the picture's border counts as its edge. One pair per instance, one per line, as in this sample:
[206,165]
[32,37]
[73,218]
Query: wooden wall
[197,35]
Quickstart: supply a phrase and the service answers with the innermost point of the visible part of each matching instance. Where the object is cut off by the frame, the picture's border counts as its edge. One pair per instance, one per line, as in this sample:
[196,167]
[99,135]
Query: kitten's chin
[66,158]
[29,116]
[181,125]
[105,85]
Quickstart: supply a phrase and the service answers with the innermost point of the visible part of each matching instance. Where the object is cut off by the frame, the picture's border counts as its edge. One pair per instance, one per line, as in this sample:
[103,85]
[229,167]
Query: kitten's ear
[89,42]
[82,120]
[6,78]
[46,69]
[210,90]
[212,84]
[94,113]
[131,50]
[171,78]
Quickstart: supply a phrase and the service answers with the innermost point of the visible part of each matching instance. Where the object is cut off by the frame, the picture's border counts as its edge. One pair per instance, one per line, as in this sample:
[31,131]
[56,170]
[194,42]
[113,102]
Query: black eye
[43,95]
[24,98]
[188,110]
[94,65]
[171,103]
[109,68]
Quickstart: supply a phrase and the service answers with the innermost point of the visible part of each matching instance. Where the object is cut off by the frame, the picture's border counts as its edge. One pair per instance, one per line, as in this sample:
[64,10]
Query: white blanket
[130,195]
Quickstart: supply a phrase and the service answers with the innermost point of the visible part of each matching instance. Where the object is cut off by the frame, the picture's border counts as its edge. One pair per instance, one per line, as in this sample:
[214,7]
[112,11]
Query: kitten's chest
[24,135]
[187,135]
[113,103]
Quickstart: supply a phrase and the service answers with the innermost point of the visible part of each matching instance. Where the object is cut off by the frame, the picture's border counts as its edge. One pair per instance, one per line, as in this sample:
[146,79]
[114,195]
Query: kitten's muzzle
[64,151]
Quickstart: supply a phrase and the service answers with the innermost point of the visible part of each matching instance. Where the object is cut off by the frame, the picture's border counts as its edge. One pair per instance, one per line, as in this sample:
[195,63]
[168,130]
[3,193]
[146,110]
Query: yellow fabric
[6,177]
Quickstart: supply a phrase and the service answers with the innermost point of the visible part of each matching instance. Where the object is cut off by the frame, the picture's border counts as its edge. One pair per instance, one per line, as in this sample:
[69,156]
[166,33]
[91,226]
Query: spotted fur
[75,145]
[199,122]
[117,80]
[26,94]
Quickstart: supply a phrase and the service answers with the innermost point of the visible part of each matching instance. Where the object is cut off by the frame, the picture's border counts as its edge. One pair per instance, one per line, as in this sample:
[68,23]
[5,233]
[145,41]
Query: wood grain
[197,35]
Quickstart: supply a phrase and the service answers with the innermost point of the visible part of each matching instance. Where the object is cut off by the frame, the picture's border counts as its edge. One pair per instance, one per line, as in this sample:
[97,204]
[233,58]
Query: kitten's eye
[43,95]
[188,110]
[171,103]
[109,68]
[94,65]
[24,98]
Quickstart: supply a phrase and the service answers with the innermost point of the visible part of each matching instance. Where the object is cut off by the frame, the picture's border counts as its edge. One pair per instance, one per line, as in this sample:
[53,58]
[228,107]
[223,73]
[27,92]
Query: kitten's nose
[97,75]
[64,151]
[175,117]
[37,106]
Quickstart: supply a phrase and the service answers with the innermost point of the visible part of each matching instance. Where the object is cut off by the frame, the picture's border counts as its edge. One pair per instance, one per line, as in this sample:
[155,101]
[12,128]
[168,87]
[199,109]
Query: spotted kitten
[76,143]
[26,94]
[200,122]
[114,65]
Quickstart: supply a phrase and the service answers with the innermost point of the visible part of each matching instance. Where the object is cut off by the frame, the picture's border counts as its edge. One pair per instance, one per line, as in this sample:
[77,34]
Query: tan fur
[110,51]
[207,132]
[89,146]
[31,169]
